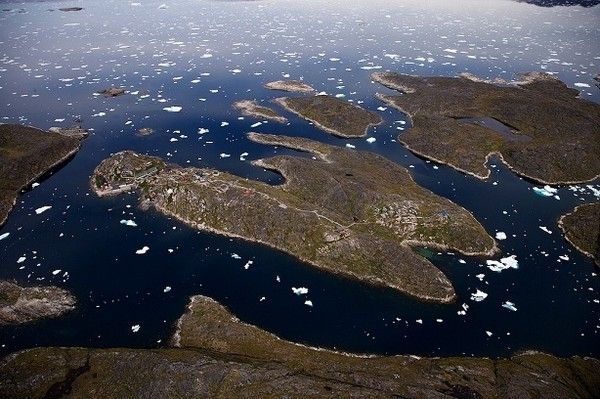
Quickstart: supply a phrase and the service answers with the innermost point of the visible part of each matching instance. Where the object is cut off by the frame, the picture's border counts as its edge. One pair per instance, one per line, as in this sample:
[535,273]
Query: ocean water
[203,56]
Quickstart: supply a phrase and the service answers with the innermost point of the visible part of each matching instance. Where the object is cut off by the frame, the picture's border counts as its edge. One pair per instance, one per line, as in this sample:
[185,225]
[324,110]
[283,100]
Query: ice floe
[504,263]
[173,108]
[300,290]
[142,250]
[3,236]
[478,295]
[510,306]
[500,235]
[42,209]
[128,222]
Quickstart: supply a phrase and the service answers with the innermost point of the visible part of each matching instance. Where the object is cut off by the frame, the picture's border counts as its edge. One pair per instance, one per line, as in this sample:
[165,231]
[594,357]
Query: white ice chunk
[300,290]
[510,306]
[478,295]
[142,250]
[129,223]
[173,108]
[135,328]
[308,303]
[3,236]
[42,209]
[544,228]
[371,140]
[500,235]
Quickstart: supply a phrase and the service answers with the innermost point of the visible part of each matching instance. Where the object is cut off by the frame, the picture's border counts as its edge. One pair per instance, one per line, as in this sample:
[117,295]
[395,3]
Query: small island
[335,116]
[348,212]
[290,85]
[582,229]
[27,153]
[112,92]
[539,127]
[217,355]
[252,109]
[20,305]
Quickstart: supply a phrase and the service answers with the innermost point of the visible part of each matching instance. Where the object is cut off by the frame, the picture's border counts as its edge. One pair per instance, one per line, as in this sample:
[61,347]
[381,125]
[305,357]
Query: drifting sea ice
[129,223]
[510,306]
[500,235]
[348,145]
[544,228]
[142,250]
[308,303]
[42,209]
[135,328]
[478,295]
[3,236]
[371,140]
[504,263]
[173,108]
[300,290]
[545,191]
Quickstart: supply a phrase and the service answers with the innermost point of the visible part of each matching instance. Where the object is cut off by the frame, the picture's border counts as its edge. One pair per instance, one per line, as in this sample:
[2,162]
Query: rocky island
[252,109]
[335,116]
[582,229]
[539,127]
[26,154]
[20,305]
[217,355]
[352,213]
[290,85]
[112,92]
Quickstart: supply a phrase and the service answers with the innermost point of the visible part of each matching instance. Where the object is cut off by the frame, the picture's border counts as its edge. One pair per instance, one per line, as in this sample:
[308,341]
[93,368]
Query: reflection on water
[202,56]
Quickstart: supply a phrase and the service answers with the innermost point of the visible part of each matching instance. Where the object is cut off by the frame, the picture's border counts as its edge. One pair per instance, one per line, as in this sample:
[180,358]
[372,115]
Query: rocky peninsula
[217,355]
[539,127]
[582,229]
[253,109]
[20,305]
[348,212]
[26,154]
[335,116]
[290,85]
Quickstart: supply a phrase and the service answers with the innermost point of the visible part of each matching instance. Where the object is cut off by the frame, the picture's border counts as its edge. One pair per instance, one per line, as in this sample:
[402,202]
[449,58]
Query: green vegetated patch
[555,134]
[338,117]
[349,212]
[26,153]
[582,229]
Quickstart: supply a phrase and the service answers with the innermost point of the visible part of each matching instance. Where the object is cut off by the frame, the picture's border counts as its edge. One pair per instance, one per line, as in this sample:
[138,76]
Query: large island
[26,154]
[218,356]
[349,212]
[582,229]
[539,127]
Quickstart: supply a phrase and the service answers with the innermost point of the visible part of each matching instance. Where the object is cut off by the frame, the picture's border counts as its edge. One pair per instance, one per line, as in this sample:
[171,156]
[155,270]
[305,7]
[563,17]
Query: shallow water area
[195,58]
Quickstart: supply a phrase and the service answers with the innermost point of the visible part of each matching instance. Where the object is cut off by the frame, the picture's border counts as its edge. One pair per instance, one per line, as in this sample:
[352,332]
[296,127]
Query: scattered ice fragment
[135,328]
[420,321]
[300,290]
[480,276]
[505,263]
[223,124]
[500,235]
[34,185]
[21,259]
[257,124]
[129,223]
[262,298]
[173,108]
[3,236]
[248,264]
[236,256]
[55,272]
[350,145]
[489,333]
[562,257]
[510,306]
[202,130]
[462,261]
[224,155]
[579,84]
[167,289]
[544,228]
[308,303]
[42,209]
[142,250]
[243,156]
[545,191]
[371,140]
[478,295]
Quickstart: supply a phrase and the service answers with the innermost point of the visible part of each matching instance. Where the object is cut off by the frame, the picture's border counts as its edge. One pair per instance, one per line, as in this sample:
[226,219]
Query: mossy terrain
[27,153]
[253,109]
[221,357]
[582,229]
[20,305]
[335,116]
[349,212]
[556,135]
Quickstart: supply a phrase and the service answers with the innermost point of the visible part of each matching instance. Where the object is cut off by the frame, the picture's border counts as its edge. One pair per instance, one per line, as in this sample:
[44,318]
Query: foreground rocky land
[582,229]
[540,127]
[348,212]
[26,154]
[218,356]
[20,305]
